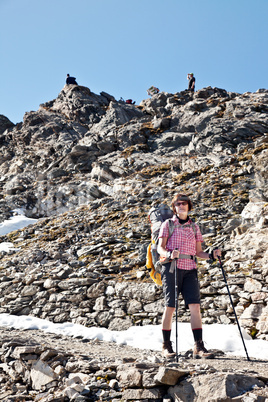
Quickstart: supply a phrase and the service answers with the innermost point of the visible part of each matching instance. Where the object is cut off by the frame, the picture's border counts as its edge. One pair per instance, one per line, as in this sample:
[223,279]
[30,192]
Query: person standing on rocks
[191,84]
[71,80]
[179,252]
[152,91]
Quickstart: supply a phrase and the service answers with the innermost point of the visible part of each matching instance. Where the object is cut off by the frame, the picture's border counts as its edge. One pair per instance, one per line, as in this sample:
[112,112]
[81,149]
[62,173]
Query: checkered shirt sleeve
[183,239]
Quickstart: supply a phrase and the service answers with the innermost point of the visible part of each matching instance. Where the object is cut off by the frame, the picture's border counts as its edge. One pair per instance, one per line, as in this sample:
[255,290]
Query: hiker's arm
[201,254]
[163,251]
[161,248]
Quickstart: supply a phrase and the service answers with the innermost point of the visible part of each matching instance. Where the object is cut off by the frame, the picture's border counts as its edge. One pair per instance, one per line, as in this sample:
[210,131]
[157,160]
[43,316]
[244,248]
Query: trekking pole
[224,277]
[176,308]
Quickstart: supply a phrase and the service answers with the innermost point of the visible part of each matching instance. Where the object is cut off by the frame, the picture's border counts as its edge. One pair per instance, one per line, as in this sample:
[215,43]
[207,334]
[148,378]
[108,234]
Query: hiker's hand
[175,254]
[216,253]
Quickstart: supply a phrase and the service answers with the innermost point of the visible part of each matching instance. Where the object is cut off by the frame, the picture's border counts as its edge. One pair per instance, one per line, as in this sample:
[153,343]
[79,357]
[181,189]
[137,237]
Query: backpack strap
[171,227]
[182,257]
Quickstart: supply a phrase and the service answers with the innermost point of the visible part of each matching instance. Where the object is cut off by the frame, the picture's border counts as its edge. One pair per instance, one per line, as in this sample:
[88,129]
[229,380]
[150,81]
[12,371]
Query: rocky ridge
[91,167]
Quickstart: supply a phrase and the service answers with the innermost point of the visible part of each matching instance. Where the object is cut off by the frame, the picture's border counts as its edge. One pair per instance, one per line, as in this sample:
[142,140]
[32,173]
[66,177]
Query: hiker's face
[182,208]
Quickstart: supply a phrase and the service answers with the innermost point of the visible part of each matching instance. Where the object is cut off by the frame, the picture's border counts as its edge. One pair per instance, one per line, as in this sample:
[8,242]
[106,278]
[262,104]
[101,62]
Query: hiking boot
[201,352]
[167,350]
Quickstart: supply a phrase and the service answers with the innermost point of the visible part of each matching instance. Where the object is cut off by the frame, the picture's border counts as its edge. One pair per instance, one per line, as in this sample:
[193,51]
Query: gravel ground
[112,352]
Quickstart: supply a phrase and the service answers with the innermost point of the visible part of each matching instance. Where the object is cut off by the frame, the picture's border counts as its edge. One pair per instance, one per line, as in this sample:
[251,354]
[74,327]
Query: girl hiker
[184,246]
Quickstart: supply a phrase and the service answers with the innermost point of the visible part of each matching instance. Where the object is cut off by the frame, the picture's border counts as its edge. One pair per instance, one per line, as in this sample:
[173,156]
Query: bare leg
[196,321]
[167,318]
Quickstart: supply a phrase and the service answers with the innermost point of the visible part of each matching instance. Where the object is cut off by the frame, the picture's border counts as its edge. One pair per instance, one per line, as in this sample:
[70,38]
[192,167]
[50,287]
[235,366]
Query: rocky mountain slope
[91,167]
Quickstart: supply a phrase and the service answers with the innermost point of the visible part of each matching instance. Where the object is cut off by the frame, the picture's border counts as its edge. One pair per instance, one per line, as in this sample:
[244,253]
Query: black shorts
[188,286]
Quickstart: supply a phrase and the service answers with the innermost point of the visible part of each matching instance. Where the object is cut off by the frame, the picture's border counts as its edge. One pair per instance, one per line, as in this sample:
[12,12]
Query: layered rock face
[91,167]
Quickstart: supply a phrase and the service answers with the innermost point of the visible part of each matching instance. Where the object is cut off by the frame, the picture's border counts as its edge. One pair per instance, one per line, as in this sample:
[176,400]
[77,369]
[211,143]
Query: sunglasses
[181,203]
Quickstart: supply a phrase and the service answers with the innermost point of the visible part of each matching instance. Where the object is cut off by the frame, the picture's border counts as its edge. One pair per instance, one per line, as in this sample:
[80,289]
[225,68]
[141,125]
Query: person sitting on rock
[71,80]
[130,102]
[191,84]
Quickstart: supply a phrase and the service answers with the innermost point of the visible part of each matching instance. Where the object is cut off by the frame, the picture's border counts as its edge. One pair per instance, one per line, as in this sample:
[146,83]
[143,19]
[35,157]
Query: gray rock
[41,374]
[214,387]
[169,376]
[5,123]
[142,394]
[130,377]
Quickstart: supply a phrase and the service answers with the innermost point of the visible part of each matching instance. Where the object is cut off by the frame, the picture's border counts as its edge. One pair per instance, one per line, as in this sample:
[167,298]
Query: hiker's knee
[194,308]
[169,311]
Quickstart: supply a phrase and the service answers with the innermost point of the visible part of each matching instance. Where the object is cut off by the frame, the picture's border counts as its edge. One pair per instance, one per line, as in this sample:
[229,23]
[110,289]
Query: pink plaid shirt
[184,239]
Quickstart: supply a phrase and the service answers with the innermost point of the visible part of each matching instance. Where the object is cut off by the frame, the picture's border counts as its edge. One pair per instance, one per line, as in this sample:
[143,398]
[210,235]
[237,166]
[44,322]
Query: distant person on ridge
[130,102]
[71,80]
[152,91]
[191,84]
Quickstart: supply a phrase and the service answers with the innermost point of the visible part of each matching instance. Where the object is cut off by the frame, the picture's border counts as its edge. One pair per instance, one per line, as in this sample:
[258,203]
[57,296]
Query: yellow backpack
[156,276]
[157,215]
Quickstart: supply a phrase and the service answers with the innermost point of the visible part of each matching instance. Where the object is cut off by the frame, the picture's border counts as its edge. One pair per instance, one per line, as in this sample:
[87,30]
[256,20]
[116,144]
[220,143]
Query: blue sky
[123,47]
